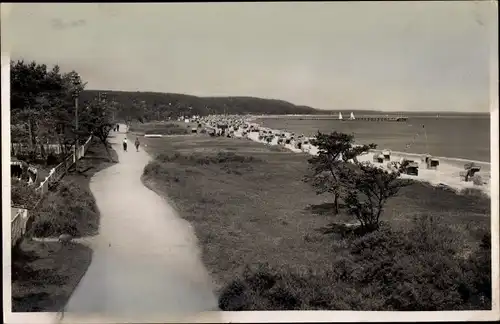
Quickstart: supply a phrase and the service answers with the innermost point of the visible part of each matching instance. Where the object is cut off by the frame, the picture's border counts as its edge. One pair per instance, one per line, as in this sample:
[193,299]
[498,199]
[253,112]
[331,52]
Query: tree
[34,89]
[97,118]
[40,103]
[369,189]
[328,174]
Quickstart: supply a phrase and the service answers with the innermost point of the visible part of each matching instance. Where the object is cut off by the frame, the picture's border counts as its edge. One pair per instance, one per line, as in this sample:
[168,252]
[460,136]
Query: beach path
[146,265]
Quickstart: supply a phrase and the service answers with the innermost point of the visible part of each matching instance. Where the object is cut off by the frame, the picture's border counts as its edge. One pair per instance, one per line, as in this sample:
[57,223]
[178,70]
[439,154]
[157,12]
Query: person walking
[137,143]
[125,144]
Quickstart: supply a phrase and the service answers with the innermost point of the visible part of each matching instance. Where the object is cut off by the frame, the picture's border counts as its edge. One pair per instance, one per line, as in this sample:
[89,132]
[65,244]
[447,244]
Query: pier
[360,118]
[379,119]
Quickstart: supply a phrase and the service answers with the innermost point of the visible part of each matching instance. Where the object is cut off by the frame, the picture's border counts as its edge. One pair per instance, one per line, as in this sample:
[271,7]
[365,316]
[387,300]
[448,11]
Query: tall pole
[76,131]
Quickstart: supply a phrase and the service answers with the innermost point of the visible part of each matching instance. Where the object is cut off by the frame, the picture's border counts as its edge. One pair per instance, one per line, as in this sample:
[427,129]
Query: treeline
[149,106]
[47,108]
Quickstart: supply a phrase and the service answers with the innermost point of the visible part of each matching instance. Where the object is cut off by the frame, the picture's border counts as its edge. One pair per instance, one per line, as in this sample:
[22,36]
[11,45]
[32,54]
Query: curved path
[146,265]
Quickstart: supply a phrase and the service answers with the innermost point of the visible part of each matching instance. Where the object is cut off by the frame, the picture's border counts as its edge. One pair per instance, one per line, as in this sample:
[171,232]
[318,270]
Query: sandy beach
[447,173]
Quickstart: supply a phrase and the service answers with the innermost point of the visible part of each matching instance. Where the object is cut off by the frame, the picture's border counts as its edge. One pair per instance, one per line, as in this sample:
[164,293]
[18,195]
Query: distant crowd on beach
[424,168]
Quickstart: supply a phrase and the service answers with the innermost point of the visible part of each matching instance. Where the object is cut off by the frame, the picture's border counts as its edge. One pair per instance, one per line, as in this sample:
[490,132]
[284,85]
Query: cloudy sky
[336,55]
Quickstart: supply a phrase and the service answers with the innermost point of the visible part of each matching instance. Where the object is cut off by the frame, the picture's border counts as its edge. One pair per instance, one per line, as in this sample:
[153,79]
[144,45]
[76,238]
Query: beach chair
[470,170]
[378,158]
[408,167]
[387,155]
[411,168]
[431,163]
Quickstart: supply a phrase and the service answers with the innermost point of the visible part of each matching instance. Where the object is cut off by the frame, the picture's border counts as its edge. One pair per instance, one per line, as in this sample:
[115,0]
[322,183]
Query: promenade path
[146,265]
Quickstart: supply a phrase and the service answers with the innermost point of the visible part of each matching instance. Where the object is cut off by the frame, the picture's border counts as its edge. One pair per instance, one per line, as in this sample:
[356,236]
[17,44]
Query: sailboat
[340,116]
[352,116]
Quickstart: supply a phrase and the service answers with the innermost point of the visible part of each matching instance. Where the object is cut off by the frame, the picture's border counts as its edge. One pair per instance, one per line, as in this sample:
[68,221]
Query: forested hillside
[154,105]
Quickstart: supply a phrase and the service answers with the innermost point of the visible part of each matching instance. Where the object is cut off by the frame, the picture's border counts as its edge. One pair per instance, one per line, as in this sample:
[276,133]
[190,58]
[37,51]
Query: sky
[390,56]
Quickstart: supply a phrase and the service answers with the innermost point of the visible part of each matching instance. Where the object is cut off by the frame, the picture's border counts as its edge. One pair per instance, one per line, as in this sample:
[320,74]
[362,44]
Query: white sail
[352,115]
[340,115]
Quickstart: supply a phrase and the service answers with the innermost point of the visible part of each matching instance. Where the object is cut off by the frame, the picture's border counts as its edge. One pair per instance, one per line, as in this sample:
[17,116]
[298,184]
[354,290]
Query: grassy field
[163,128]
[269,240]
[45,274]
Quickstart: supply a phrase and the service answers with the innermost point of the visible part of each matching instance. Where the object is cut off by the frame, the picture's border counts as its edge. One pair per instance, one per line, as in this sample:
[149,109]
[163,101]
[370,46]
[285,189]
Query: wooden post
[76,150]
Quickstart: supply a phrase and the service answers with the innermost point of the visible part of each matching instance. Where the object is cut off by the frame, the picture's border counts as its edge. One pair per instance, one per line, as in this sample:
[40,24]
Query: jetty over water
[380,119]
[358,118]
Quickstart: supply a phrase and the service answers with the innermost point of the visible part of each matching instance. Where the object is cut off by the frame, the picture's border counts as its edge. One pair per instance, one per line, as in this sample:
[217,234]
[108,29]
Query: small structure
[194,130]
[378,158]
[387,155]
[470,170]
[409,167]
[430,162]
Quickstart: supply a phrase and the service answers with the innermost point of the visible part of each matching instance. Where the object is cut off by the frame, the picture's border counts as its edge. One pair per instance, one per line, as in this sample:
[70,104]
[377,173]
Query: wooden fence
[18,223]
[56,173]
[20,216]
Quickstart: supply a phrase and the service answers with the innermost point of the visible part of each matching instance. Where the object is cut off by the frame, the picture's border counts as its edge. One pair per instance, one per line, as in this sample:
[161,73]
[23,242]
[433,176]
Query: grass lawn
[45,274]
[163,128]
[267,241]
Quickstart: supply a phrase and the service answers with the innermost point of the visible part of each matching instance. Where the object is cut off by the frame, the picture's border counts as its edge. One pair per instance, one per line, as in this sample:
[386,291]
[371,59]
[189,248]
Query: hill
[155,105]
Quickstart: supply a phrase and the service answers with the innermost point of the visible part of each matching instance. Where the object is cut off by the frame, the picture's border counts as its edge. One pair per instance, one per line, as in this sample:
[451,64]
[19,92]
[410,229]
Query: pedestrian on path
[125,144]
[137,143]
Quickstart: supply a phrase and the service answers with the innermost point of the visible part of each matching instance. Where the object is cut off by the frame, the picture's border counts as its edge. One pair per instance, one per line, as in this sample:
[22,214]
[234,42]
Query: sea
[450,136]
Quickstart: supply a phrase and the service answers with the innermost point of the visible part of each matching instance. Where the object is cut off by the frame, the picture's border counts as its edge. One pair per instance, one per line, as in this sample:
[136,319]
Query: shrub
[67,208]
[419,269]
[22,194]
[369,190]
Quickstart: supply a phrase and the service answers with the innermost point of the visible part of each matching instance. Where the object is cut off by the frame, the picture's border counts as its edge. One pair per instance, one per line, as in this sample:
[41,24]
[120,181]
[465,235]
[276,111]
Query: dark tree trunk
[336,204]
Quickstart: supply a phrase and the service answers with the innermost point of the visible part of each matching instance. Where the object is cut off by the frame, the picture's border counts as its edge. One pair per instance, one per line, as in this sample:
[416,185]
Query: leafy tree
[329,167]
[34,90]
[369,189]
[43,104]
[97,118]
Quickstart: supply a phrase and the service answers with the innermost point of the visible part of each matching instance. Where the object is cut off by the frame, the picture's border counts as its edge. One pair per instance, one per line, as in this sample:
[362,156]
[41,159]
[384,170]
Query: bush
[419,269]
[23,195]
[67,208]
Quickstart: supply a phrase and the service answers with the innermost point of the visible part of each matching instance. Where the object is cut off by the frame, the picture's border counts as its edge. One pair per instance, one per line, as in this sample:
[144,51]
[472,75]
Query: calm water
[465,137]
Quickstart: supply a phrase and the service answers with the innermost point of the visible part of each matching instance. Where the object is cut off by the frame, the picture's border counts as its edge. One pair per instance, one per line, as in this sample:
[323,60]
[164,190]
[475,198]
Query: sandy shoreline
[447,173]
